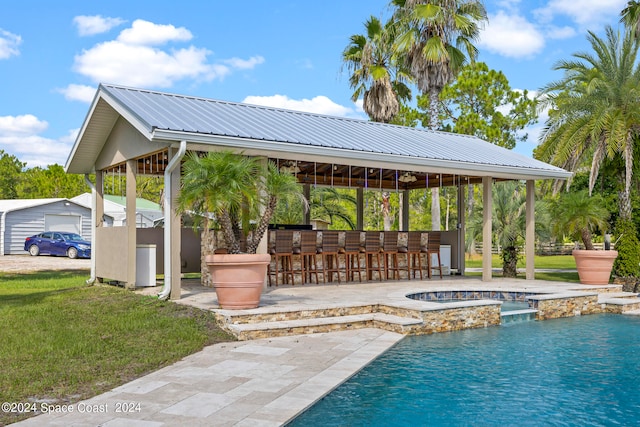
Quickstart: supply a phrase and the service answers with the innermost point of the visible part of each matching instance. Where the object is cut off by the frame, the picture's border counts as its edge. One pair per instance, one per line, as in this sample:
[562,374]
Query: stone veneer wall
[565,306]
[456,319]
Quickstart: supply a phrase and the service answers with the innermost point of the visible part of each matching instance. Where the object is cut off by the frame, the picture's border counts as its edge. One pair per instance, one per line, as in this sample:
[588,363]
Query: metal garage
[20,219]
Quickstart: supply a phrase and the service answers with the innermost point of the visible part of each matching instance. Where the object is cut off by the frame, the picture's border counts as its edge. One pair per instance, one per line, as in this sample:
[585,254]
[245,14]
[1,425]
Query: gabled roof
[114,203]
[9,205]
[168,118]
[140,202]
[18,204]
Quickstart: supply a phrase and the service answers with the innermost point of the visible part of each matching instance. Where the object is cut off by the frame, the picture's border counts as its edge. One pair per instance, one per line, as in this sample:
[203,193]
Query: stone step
[610,295]
[632,312]
[247,331]
[601,289]
[621,305]
[239,317]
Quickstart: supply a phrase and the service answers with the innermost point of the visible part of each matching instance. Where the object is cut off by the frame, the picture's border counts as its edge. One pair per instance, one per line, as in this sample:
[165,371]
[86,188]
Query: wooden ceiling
[326,174]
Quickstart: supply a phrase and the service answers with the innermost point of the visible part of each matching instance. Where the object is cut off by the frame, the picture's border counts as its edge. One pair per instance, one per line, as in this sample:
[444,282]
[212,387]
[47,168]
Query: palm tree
[508,211]
[509,222]
[578,215]
[630,16]
[375,74]
[596,113]
[436,40]
[330,203]
[236,191]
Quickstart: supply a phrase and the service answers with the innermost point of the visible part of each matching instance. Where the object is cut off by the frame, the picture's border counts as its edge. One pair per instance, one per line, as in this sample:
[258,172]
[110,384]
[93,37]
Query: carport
[137,132]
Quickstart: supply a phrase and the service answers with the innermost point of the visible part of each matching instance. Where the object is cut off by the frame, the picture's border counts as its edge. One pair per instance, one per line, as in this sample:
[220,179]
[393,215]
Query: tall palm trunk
[386,211]
[624,204]
[207,246]
[434,93]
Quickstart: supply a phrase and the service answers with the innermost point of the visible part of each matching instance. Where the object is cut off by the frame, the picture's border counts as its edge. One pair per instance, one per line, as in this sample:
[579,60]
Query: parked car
[58,243]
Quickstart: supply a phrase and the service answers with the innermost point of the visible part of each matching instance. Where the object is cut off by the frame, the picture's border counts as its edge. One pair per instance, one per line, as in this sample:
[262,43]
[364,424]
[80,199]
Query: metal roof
[168,118]
[9,205]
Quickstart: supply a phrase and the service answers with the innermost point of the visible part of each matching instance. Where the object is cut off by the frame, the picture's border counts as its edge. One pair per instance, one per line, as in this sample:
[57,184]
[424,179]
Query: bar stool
[414,252]
[433,247]
[390,253]
[330,260]
[283,255]
[352,251]
[372,248]
[308,253]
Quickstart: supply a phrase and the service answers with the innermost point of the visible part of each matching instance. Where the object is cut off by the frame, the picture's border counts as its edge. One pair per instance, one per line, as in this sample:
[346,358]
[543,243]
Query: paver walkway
[250,383]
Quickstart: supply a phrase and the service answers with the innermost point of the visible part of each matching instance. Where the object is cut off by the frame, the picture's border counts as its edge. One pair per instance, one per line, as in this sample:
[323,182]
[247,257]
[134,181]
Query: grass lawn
[63,341]
[558,262]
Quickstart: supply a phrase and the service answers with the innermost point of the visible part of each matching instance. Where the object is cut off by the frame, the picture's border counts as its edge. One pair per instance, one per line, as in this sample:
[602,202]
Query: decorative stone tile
[200,405]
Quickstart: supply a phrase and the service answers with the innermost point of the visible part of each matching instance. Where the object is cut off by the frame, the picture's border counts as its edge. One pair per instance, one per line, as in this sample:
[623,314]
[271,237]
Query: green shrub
[627,263]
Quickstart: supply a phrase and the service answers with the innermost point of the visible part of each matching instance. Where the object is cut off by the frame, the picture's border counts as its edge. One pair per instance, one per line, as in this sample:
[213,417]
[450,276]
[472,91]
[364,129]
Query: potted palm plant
[240,194]
[578,215]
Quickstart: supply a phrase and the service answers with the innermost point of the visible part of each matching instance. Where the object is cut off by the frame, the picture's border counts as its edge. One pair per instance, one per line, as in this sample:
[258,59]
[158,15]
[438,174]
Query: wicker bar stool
[283,255]
[352,251]
[330,255]
[390,252]
[414,252]
[372,248]
[308,253]
[433,247]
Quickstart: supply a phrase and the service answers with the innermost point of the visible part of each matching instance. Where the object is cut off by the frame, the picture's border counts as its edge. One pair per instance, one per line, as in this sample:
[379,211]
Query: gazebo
[138,132]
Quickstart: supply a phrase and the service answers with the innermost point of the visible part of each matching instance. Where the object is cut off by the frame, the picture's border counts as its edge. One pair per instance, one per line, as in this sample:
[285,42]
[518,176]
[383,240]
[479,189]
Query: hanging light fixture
[408,177]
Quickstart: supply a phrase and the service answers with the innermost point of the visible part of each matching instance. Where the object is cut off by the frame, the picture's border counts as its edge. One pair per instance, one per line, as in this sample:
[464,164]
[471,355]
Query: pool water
[581,371]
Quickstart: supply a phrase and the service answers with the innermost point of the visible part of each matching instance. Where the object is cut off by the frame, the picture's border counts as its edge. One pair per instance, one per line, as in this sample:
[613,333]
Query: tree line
[19,182]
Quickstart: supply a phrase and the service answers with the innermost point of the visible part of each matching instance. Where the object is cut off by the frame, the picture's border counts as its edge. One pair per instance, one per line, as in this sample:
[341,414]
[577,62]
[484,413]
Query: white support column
[172,242]
[99,217]
[175,246]
[131,223]
[461,228]
[530,234]
[487,209]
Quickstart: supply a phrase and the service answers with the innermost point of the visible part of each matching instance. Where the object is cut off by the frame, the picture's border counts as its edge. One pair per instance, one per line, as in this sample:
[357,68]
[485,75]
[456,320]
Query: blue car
[58,243]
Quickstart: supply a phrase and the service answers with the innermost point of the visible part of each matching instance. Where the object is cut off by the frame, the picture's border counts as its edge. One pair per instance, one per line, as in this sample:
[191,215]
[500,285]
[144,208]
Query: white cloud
[134,59]
[9,44]
[560,33]
[91,25]
[319,104]
[149,34]
[511,36]
[585,13]
[115,62]
[78,93]
[245,64]
[19,136]
[21,125]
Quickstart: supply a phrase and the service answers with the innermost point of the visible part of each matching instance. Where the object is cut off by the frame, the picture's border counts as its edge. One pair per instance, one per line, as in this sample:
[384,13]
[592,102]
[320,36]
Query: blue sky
[283,53]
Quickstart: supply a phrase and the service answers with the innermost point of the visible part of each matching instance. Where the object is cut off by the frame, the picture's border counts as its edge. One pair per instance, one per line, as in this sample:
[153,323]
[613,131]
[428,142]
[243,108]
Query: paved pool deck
[263,382]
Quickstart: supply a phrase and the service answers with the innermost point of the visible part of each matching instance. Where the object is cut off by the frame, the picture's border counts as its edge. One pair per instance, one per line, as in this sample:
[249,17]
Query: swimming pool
[581,371]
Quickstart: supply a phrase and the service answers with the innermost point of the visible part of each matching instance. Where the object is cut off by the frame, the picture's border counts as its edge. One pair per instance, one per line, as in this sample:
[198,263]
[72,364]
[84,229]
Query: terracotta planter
[594,267]
[238,278]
